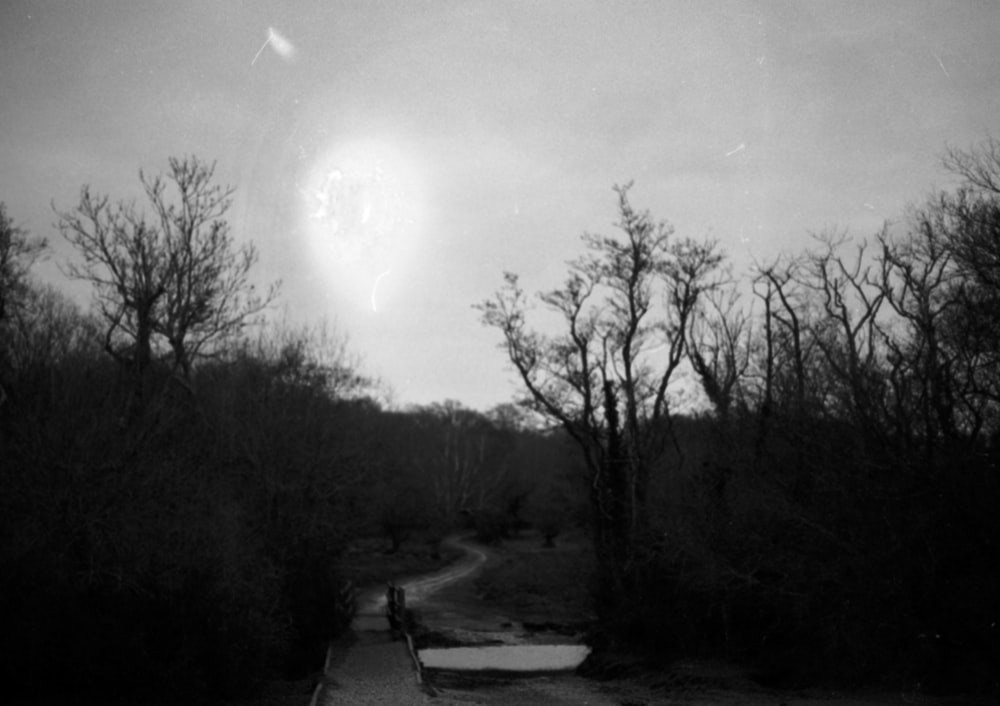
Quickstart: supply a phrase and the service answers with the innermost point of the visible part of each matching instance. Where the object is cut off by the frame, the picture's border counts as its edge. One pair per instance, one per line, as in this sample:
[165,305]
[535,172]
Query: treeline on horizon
[180,478]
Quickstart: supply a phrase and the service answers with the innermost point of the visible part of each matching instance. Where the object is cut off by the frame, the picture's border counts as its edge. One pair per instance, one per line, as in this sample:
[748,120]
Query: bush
[317,604]
[152,557]
[846,580]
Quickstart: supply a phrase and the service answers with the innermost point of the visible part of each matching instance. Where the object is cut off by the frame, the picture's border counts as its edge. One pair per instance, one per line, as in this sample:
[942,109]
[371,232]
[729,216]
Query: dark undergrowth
[813,569]
[173,555]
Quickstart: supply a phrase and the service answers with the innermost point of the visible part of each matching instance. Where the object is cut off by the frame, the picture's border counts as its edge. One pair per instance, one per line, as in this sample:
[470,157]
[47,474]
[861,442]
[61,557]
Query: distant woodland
[181,474]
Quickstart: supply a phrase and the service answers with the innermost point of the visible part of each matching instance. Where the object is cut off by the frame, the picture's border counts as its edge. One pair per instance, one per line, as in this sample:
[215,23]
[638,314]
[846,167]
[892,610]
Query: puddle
[505,658]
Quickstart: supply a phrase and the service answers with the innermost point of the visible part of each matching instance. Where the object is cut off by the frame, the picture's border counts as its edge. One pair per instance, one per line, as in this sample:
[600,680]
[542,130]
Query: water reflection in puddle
[507,658]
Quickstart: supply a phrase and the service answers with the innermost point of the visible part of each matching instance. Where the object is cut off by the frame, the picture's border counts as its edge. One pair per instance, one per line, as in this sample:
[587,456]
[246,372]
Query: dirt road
[420,588]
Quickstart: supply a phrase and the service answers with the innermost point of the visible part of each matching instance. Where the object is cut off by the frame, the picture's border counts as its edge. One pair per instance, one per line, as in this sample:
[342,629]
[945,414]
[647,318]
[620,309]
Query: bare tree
[979,167]
[178,279]
[847,332]
[18,252]
[123,258]
[719,348]
[974,238]
[626,308]
[916,277]
[48,328]
[208,295]
[785,328]
[459,456]
[941,279]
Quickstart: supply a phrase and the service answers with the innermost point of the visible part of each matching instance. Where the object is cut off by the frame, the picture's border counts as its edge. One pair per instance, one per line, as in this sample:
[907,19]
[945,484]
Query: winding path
[420,588]
[377,669]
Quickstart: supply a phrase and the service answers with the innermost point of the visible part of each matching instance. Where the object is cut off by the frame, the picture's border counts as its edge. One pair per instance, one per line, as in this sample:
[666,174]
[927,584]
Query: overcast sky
[392,159]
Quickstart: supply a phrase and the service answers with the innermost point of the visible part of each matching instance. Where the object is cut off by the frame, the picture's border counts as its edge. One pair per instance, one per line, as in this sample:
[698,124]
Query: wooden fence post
[396,608]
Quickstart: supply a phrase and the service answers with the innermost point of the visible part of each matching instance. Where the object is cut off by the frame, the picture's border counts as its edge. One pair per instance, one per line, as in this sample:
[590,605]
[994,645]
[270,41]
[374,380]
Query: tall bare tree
[176,280]
[917,278]
[625,311]
[844,294]
[941,278]
[208,294]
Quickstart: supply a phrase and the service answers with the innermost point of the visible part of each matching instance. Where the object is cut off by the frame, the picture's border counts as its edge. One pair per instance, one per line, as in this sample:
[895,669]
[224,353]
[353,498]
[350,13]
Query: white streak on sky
[941,64]
[730,153]
[375,289]
[284,48]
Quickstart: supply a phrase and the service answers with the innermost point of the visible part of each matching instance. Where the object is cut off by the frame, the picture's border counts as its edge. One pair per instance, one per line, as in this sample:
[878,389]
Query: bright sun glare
[360,203]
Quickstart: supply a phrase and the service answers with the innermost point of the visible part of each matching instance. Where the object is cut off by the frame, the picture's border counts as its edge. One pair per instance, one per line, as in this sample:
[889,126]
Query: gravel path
[376,669]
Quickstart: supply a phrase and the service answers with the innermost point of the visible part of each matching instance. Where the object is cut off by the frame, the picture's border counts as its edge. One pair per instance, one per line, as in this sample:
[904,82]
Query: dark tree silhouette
[176,280]
[18,252]
[626,309]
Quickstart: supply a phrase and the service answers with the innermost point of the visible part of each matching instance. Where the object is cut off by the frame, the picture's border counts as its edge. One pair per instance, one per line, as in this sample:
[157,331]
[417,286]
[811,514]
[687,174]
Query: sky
[392,159]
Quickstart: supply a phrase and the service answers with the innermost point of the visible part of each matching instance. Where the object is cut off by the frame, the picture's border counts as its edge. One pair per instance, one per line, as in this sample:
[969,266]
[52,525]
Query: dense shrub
[831,580]
[160,555]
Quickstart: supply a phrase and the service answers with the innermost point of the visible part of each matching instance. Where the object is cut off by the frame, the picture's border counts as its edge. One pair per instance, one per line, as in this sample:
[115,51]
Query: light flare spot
[360,205]
[281,46]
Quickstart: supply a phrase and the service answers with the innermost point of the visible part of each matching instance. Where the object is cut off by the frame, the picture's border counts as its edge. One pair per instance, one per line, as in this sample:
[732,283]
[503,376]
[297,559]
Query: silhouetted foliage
[18,252]
[172,280]
[842,525]
[625,310]
[198,555]
[832,518]
[191,548]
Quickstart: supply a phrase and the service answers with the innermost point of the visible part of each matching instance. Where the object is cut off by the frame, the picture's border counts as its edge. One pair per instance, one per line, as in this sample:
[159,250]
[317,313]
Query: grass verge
[540,585]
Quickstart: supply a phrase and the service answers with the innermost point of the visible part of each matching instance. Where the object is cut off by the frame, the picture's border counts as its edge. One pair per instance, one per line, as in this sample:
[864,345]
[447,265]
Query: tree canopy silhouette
[625,310]
[175,280]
